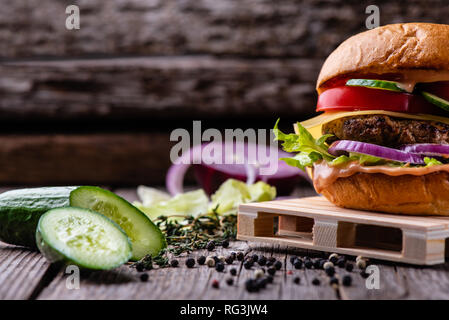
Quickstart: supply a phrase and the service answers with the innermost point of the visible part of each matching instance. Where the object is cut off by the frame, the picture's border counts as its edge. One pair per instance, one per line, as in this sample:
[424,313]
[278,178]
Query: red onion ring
[338,147]
[429,149]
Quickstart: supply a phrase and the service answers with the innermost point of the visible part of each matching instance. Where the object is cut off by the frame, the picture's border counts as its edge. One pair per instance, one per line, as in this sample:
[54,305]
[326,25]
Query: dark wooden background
[96,105]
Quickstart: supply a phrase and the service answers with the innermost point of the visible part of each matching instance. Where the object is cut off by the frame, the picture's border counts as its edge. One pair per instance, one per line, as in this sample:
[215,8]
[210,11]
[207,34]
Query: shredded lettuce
[431,161]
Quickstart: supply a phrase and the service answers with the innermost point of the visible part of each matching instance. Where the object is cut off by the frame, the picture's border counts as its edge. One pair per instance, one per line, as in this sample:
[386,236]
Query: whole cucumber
[21,209]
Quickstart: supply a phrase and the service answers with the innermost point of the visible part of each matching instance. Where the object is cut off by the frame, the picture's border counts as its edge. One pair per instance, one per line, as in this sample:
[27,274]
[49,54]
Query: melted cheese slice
[315,124]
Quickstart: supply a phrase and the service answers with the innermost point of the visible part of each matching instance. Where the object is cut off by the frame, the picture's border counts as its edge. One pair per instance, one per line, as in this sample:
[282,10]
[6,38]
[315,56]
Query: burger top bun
[392,49]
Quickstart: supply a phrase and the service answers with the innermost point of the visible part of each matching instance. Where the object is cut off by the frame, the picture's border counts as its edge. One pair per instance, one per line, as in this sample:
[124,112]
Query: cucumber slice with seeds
[83,237]
[435,100]
[375,84]
[146,238]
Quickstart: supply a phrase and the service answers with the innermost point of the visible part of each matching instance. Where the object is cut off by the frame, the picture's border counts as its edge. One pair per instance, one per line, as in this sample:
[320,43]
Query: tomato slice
[359,98]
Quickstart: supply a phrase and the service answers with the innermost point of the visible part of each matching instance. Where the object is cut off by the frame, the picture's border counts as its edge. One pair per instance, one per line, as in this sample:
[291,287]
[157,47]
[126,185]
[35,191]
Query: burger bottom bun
[406,194]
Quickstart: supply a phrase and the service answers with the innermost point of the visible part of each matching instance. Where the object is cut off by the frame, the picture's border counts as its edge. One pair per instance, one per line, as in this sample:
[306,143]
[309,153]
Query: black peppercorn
[144,277]
[316,264]
[364,274]
[215,284]
[233,271]
[251,285]
[341,262]
[225,244]
[174,263]
[262,261]
[248,265]
[255,257]
[210,245]
[230,281]
[216,259]
[347,280]
[201,260]
[316,281]
[297,280]
[233,255]
[272,259]
[330,271]
[308,264]
[261,283]
[139,267]
[240,256]
[190,262]
[219,267]
[293,259]
[278,265]
[298,264]
[229,260]
[271,271]
[333,259]
[270,279]
[269,263]
[349,267]
[333,280]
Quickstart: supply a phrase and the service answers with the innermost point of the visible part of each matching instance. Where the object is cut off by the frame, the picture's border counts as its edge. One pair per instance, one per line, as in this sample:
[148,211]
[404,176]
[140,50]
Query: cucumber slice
[21,209]
[433,99]
[83,237]
[375,84]
[146,238]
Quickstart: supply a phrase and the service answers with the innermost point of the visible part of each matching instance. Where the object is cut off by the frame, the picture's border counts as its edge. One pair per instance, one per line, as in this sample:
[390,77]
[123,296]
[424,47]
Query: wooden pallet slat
[315,223]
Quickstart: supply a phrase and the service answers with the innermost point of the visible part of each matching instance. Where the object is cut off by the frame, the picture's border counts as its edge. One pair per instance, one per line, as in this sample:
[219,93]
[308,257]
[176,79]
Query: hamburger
[381,142]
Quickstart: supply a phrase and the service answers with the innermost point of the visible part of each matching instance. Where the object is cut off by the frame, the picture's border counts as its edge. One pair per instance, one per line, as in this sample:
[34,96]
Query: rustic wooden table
[27,275]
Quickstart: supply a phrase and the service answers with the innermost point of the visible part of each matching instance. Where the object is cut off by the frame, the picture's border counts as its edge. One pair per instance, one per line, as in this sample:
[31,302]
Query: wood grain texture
[148,88]
[21,271]
[104,158]
[226,27]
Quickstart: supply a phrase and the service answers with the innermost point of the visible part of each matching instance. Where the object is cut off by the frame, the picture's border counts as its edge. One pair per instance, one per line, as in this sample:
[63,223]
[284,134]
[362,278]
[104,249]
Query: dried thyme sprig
[190,234]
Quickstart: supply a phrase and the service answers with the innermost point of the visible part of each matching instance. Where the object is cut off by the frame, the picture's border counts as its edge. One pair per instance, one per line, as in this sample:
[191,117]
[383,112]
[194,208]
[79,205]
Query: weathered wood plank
[103,158]
[143,89]
[21,272]
[226,27]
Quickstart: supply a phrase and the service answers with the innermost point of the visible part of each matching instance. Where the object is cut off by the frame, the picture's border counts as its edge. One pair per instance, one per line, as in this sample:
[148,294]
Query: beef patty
[387,131]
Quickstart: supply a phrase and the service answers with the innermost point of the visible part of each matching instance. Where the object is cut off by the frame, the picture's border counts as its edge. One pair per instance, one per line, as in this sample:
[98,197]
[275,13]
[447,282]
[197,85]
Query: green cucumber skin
[375,84]
[21,209]
[53,255]
[152,227]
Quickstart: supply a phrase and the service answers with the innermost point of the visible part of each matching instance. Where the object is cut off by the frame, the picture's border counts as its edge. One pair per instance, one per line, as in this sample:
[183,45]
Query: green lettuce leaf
[431,161]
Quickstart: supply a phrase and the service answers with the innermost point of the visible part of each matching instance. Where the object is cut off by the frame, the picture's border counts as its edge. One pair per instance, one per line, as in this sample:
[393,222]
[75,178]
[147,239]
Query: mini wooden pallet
[315,223]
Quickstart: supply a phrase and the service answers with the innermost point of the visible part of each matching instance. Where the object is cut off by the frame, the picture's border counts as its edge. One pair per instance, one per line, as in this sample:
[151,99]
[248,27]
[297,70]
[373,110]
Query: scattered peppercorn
[347,280]
[364,274]
[230,281]
[261,283]
[174,263]
[361,263]
[341,262]
[270,279]
[316,281]
[144,277]
[327,264]
[229,260]
[233,271]
[255,257]
[322,263]
[215,284]
[190,262]
[258,273]
[278,265]
[333,281]
[332,255]
[292,259]
[349,267]
[262,261]
[297,280]
[269,263]
[298,264]
[233,255]
[333,259]
[219,267]
[210,245]
[316,263]
[308,264]
[271,271]
[248,265]
[201,260]
[225,243]
[330,271]
[240,256]
[251,285]
[210,262]
[272,259]
[139,267]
